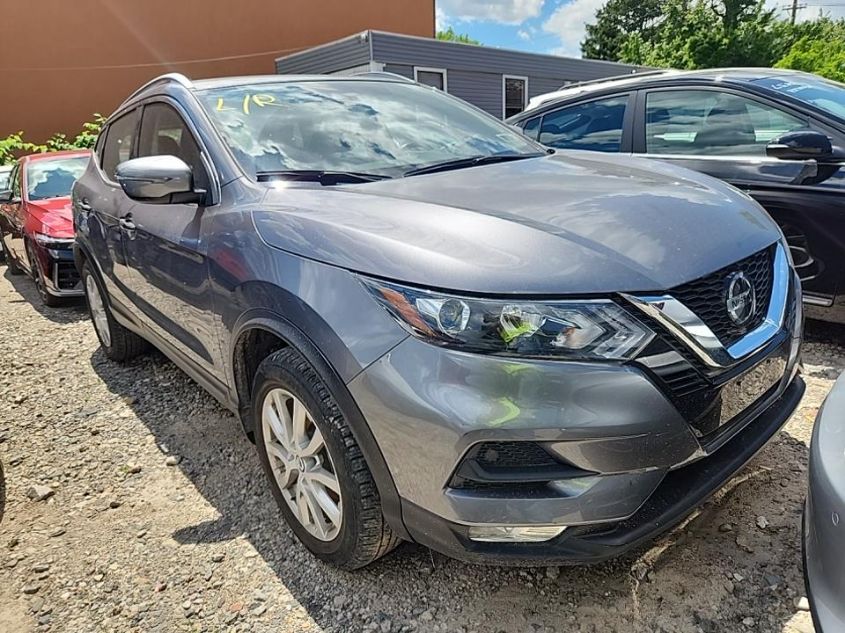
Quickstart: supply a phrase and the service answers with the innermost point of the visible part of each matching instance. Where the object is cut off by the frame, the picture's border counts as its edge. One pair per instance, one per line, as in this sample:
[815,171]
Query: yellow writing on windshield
[248,101]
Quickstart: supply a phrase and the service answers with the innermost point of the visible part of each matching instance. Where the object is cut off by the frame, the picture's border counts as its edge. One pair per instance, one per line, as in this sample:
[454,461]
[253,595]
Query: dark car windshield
[53,177]
[383,128]
[822,93]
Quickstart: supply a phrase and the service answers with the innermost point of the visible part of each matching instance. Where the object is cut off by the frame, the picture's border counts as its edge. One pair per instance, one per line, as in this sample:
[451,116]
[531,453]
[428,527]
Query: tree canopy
[450,35]
[691,34]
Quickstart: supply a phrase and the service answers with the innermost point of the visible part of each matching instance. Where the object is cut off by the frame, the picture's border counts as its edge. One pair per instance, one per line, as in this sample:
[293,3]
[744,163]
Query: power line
[180,62]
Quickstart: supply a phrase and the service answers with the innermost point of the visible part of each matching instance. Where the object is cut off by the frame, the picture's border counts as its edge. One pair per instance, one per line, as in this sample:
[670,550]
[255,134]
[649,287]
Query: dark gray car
[824,515]
[435,329]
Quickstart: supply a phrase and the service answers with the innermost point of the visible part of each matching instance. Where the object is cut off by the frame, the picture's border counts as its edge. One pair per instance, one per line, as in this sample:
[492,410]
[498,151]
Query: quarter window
[515,95]
[119,140]
[532,127]
[164,133]
[708,122]
[596,125]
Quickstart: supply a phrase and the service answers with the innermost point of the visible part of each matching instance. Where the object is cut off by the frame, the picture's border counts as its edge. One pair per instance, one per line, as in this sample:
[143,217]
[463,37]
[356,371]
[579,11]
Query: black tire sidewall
[327,416]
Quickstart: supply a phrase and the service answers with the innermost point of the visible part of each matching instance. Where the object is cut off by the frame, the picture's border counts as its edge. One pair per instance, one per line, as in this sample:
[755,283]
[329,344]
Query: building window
[435,77]
[514,95]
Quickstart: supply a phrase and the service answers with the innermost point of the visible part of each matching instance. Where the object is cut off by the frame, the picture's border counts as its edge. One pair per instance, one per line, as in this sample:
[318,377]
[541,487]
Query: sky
[556,26]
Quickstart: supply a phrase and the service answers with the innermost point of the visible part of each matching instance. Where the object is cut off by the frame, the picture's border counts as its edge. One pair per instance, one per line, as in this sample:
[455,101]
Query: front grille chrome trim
[687,327]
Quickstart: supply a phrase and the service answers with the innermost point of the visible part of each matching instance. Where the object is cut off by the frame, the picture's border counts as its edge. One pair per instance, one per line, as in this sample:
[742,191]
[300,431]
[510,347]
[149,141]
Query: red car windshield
[53,178]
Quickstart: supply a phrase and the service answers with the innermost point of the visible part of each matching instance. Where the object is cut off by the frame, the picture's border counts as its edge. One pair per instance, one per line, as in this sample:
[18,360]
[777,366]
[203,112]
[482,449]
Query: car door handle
[84,206]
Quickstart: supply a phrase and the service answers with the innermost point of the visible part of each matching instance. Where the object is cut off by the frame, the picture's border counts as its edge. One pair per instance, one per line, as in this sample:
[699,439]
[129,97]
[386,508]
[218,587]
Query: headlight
[577,330]
[53,243]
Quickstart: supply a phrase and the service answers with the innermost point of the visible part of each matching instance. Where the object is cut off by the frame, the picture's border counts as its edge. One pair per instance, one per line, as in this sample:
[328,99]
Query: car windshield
[381,128]
[53,177]
[822,93]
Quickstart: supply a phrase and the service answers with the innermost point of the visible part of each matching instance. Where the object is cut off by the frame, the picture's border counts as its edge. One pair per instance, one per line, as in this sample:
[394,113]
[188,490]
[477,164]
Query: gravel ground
[158,519]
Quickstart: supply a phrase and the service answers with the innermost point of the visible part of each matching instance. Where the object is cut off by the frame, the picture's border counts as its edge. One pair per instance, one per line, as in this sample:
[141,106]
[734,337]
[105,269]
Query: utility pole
[794,10]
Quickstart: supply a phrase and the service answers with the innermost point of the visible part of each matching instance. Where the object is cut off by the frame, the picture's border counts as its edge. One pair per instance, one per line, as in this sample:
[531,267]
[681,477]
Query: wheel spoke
[326,503]
[302,505]
[316,514]
[324,478]
[276,426]
[299,414]
[315,444]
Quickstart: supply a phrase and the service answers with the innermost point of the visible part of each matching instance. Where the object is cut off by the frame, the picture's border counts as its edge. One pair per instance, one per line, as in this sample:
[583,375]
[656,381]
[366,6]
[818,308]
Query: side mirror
[158,180]
[801,145]
[5,197]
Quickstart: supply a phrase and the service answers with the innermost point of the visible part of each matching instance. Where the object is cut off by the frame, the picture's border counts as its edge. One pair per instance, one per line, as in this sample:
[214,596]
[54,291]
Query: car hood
[574,222]
[53,216]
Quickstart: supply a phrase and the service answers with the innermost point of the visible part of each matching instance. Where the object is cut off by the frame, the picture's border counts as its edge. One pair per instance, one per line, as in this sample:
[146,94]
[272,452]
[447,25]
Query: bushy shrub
[14,145]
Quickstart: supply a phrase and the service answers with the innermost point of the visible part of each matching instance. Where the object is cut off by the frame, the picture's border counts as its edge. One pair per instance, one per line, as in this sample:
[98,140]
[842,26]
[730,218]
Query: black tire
[14,269]
[124,344]
[364,535]
[38,278]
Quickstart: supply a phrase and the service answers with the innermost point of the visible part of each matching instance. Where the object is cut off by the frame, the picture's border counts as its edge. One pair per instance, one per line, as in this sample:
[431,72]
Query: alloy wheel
[301,464]
[98,311]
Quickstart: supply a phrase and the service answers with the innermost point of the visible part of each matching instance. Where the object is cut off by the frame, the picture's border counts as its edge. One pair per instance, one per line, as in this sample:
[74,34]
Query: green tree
[450,35]
[15,145]
[615,22]
[710,33]
[819,48]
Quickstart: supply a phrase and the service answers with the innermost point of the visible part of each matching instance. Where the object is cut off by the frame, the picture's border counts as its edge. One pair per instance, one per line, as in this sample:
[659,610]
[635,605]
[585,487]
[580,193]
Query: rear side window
[119,140]
[165,133]
[712,123]
[596,125]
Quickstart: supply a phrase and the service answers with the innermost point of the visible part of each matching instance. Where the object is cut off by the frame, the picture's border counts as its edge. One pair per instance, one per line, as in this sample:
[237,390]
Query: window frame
[525,97]
[100,151]
[213,195]
[626,144]
[443,72]
[639,131]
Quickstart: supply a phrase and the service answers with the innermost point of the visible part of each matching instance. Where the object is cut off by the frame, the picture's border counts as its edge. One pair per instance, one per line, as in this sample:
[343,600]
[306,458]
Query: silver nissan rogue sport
[433,328]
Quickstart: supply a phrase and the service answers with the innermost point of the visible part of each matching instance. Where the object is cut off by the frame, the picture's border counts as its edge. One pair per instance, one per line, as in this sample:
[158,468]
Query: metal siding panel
[329,58]
[483,90]
[542,85]
[400,69]
[390,48]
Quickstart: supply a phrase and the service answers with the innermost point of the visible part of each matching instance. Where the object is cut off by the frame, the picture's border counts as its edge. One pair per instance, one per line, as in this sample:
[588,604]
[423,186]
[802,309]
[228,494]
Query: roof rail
[179,78]
[600,80]
[381,74]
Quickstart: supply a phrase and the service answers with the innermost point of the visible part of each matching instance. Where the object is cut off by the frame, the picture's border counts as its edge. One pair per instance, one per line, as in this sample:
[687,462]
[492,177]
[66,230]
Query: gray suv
[433,328]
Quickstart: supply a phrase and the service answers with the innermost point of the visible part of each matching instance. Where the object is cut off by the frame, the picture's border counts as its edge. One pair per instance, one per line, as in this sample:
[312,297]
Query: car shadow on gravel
[684,582]
[71,310]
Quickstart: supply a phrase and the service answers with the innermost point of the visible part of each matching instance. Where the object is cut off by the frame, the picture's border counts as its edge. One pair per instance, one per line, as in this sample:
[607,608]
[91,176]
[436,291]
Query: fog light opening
[514,534]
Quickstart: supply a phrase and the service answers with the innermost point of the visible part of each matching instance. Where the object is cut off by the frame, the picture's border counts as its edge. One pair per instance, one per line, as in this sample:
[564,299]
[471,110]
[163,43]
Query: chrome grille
[706,296]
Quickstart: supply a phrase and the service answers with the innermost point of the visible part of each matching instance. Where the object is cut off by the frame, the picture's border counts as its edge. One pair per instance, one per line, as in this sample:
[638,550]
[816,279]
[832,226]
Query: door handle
[84,206]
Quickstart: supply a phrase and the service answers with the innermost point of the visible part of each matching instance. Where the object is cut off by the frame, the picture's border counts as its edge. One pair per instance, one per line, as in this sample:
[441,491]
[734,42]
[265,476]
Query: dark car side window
[119,140]
[712,123]
[165,133]
[531,128]
[596,125]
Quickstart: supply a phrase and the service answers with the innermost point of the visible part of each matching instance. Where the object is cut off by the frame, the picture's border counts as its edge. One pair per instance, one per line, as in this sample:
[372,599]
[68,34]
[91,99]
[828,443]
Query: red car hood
[53,217]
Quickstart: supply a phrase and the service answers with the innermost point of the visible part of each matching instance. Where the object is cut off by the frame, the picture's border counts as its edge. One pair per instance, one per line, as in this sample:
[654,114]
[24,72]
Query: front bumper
[58,270]
[640,463]
[824,515]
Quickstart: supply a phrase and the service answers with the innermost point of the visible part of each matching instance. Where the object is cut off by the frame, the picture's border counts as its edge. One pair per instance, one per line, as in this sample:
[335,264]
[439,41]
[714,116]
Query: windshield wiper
[324,177]
[472,161]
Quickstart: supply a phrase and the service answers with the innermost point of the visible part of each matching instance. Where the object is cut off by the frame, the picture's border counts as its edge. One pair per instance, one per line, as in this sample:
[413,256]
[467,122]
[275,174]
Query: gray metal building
[496,80]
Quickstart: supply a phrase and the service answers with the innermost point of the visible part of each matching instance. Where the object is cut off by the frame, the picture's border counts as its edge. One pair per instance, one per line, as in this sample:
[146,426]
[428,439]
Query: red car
[36,223]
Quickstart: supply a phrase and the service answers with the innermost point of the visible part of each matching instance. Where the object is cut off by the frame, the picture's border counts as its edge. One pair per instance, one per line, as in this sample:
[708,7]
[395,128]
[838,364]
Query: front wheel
[317,472]
[38,277]
[119,343]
